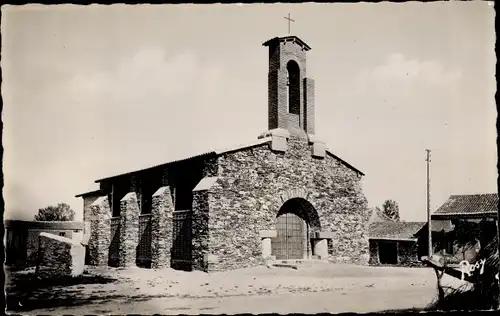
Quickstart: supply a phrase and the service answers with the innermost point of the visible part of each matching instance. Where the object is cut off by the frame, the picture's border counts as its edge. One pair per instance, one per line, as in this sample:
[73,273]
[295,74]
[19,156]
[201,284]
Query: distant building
[378,216]
[397,243]
[21,238]
[283,196]
[476,214]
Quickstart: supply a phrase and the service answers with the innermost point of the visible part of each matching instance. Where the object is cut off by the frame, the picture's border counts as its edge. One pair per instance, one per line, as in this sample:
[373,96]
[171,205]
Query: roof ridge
[381,214]
[473,194]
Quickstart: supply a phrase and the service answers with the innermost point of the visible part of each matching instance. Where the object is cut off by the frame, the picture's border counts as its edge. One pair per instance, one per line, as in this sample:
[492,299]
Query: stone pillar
[129,230]
[202,259]
[321,244]
[200,232]
[86,233]
[321,248]
[161,227]
[266,247]
[309,105]
[100,231]
[265,237]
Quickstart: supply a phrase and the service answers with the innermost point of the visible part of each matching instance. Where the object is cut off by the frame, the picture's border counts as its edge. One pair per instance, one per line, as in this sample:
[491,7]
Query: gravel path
[310,289]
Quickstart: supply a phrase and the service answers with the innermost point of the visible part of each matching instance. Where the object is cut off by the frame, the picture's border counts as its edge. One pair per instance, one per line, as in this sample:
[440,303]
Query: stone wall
[33,239]
[374,260]
[87,202]
[210,167]
[60,256]
[247,197]
[408,253]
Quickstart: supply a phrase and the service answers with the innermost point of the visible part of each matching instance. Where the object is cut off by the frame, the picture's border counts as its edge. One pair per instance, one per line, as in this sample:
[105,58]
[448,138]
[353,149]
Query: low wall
[22,238]
[60,256]
[33,241]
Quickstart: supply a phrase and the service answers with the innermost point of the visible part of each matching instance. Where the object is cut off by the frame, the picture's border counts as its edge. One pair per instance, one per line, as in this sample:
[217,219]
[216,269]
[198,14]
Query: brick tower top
[290,92]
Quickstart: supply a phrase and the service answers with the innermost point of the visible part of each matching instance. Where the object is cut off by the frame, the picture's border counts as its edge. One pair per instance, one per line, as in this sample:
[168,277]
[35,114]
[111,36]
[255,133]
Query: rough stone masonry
[246,197]
[60,256]
[282,196]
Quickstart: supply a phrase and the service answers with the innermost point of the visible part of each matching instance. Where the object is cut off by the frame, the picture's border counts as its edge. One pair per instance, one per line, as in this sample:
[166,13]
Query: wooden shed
[397,243]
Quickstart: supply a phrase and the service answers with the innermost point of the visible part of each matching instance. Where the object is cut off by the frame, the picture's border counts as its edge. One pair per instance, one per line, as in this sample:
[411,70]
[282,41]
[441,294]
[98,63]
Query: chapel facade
[284,196]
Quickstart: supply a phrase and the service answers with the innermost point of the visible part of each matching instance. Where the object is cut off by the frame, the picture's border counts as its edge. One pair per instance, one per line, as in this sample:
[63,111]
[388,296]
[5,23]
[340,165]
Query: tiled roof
[394,230]
[469,205]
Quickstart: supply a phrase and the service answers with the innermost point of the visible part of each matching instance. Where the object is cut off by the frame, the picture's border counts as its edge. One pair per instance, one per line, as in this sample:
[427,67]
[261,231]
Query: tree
[466,234]
[391,209]
[61,212]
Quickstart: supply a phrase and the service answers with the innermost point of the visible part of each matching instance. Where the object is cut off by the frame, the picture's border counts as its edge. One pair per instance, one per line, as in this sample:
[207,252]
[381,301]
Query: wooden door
[289,243]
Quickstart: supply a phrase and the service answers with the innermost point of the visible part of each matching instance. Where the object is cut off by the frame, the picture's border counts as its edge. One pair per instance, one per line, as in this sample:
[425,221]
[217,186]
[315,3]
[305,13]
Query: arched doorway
[295,221]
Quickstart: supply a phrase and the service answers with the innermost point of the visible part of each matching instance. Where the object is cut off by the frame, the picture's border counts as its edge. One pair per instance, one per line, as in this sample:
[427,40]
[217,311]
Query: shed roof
[394,230]
[471,204]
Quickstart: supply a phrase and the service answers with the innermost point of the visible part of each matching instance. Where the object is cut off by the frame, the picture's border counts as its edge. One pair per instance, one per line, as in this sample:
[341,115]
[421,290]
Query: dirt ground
[315,288]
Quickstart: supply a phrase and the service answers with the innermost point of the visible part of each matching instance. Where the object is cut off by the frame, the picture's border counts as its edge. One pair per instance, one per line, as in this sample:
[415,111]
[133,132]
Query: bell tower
[290,92]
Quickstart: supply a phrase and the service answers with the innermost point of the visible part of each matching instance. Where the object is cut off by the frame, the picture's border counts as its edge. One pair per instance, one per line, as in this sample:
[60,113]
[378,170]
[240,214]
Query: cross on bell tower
[289,20]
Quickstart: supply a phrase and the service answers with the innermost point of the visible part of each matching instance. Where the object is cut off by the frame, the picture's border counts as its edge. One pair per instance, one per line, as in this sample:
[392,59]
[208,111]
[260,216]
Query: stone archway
[295,221]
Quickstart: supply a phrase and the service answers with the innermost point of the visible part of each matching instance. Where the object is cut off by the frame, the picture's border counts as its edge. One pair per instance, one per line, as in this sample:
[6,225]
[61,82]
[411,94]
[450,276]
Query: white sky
[93,90]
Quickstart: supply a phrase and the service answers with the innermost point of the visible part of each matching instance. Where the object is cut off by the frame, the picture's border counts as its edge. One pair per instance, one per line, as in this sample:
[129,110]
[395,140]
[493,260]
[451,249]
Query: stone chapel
[284,196]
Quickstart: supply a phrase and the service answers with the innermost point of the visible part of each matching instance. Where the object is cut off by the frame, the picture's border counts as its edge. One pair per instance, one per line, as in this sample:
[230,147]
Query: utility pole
[429,203]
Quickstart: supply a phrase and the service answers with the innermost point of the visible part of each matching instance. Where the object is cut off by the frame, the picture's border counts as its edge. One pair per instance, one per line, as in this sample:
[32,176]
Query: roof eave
[393,238]
[256,143]
[88,193]
[49,225]
[328,150]
[463,214]
[156,166]
[274,39]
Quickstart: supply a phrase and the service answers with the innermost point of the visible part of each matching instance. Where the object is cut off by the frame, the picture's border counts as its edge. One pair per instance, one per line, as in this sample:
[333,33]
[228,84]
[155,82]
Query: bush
[484,291]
